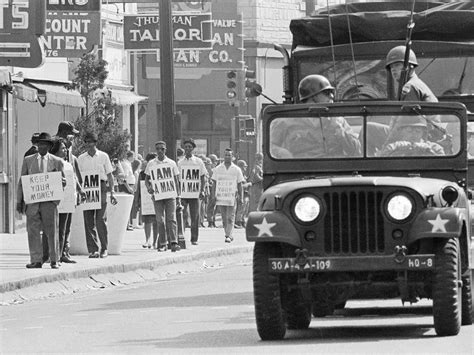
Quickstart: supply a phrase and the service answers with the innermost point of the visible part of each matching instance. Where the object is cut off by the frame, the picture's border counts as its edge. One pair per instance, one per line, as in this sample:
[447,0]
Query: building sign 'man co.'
[190,31]
[21,24]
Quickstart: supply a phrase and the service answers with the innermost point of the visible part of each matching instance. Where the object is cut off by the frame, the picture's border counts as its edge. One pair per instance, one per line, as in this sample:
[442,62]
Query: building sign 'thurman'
[190,31]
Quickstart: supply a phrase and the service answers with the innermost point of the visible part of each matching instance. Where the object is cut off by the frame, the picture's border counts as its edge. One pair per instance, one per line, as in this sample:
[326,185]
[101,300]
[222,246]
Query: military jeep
[333,225]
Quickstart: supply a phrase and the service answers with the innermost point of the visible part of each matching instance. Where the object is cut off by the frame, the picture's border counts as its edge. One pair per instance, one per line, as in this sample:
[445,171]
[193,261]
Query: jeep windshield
[309,136]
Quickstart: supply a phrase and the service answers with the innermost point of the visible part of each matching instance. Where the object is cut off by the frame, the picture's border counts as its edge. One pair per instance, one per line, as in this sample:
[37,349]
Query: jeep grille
[354,222]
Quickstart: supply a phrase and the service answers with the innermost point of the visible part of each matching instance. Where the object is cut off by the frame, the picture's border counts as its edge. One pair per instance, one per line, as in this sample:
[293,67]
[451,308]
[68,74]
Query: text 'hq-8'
[368,197]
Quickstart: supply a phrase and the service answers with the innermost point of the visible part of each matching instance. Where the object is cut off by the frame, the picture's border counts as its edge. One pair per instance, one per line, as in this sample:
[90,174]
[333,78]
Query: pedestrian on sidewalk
[193,182]
[227,190]
[149,220]
[67,132]
[59,149]
[95,160]
[211,205]
[162,181]
[256,180]
[41,216]
[242,206]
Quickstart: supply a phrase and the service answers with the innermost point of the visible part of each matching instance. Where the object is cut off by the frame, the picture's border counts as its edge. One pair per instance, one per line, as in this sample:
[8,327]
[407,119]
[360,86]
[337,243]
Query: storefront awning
[5,78]
[126,98]
[24,92]
[57,94]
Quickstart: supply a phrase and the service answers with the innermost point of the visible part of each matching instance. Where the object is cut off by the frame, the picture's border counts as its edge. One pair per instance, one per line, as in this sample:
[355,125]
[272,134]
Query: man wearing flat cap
[193,182]
[95,160]
[41,216]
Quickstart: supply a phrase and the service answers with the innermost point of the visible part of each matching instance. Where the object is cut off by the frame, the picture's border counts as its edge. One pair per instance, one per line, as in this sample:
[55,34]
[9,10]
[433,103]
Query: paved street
[211,311]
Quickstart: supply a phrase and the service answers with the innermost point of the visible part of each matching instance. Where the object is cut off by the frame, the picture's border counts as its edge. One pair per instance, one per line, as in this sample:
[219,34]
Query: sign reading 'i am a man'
[163,183]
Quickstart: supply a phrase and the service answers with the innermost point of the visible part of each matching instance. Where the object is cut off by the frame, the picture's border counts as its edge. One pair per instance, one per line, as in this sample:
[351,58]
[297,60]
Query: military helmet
[413,121]
[397,54]
[312,85]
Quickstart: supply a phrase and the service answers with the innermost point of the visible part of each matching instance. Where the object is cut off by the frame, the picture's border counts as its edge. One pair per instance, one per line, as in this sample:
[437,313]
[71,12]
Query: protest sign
[226,187]
[162,181]
[68,203]
[190,181]
[91,186]
[146,202]
[42,187]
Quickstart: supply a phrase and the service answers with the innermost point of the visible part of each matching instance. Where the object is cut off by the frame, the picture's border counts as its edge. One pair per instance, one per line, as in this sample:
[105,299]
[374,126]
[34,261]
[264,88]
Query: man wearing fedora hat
[41,216]
[193,182]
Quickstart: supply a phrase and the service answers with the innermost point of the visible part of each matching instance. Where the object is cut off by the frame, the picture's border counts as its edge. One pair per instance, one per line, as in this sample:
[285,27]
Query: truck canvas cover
[382,21]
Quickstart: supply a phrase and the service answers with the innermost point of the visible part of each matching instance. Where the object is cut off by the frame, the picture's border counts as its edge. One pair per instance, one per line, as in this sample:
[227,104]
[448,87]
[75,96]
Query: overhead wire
[332,46]
[352,51]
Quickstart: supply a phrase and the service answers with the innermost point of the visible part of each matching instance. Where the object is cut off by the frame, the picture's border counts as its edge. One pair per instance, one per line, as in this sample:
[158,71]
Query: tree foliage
[101,112]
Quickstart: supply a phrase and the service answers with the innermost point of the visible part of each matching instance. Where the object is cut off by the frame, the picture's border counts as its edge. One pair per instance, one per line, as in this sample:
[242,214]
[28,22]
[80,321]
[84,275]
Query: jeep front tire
[447,288]
[267,298]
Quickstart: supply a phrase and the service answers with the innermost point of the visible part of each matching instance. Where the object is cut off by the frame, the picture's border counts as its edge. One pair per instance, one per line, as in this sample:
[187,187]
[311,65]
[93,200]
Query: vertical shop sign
[21,25]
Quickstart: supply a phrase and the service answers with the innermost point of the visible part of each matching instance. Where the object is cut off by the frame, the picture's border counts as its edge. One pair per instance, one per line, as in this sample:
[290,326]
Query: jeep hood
[424,186]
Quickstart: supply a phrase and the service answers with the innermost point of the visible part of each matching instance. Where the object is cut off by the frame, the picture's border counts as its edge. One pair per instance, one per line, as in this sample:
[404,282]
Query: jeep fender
[438,223]
[271,226]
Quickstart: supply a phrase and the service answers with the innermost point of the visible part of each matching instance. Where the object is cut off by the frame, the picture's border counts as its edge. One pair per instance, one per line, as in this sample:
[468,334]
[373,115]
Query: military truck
[389,219]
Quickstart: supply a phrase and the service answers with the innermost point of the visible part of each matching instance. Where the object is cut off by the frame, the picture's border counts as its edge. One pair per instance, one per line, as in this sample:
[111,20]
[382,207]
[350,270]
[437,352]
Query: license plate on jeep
[352,263]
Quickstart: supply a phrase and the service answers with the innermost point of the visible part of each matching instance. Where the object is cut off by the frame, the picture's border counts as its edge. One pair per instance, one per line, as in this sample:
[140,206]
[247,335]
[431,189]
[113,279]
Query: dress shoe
[194,243]
[104,254]
[66,259]
[34,266]
[162,249]
[94,255]
[54,265]
[175,247]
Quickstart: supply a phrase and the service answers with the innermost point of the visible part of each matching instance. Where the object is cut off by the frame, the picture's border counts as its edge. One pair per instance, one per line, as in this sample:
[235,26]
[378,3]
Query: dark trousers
[64,233]
[193,204]
[211,211]
[42,217]
[94,224]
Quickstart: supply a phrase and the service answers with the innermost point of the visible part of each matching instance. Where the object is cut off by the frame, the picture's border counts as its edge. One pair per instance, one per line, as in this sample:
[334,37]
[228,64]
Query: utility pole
[167,78]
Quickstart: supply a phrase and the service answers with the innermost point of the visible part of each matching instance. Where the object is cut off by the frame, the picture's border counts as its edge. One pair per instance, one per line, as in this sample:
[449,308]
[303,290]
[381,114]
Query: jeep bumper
[302,264]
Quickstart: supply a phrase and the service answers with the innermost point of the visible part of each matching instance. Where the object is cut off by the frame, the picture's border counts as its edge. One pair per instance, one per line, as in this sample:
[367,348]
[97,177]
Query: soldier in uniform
[312,137]
[412,132]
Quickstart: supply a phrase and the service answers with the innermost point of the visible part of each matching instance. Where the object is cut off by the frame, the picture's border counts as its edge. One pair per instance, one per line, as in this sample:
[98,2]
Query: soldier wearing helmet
[414,89]
[313,137]
[412,135]
[315,88]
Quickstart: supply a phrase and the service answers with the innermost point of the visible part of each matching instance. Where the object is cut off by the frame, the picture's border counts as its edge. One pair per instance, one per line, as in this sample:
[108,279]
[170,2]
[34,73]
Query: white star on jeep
[439,225]
[264,228]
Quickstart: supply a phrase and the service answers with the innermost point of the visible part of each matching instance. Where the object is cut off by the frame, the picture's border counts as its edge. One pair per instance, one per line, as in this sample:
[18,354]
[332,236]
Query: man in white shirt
[227,190]
[193,182]
[162,181]
[94,220]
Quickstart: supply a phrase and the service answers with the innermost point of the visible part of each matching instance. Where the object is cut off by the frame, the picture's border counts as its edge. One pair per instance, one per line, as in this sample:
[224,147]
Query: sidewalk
[14,256]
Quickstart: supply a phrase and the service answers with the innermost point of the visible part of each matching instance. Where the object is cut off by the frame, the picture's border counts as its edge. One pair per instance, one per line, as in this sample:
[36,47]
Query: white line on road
[28,328]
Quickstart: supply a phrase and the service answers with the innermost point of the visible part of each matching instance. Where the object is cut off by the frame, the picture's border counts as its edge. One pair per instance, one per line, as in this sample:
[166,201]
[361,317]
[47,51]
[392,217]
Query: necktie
[42,164]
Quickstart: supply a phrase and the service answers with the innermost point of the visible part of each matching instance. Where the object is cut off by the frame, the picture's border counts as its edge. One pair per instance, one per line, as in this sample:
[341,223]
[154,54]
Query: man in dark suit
[41,216]
[34,148]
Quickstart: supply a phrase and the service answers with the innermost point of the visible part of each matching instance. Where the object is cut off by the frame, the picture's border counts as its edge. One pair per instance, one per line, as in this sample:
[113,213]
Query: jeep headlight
[399,207]
[307,209]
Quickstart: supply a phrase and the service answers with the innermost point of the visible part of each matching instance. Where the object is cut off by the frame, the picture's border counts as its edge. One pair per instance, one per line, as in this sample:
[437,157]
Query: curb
[121,268]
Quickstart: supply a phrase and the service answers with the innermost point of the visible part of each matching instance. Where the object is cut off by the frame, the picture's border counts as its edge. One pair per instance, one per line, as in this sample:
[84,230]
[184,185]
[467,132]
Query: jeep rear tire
[267,298]
[446,288]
